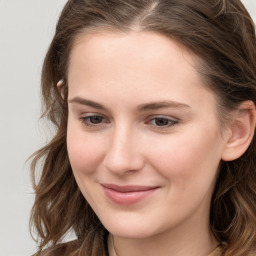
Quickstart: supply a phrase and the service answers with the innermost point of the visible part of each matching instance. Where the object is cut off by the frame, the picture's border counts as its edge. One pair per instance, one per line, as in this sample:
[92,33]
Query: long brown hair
[222,34]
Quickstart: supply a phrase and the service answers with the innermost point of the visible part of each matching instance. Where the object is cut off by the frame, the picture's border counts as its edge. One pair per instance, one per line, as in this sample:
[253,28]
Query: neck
[190,240]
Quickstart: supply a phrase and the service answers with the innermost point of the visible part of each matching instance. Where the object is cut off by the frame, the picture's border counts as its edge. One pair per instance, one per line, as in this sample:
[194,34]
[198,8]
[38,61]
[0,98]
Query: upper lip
[128,188]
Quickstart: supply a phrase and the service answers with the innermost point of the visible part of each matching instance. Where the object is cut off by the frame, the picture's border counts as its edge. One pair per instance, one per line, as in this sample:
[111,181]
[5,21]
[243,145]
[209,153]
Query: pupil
[95,119]
[161,121]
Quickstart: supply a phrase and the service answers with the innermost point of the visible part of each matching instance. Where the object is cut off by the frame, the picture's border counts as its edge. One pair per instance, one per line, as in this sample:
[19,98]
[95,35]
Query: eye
[93,120]
[163,122]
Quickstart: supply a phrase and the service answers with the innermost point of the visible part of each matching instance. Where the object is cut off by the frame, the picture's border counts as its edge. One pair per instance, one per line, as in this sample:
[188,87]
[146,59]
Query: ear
[60,88]
[241,131]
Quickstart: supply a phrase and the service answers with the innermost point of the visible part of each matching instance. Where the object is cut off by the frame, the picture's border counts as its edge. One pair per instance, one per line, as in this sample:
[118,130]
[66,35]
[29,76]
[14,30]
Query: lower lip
[127,198]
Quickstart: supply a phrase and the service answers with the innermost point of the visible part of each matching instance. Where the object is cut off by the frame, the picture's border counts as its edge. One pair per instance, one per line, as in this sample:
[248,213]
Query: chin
[131,233]
[130,228]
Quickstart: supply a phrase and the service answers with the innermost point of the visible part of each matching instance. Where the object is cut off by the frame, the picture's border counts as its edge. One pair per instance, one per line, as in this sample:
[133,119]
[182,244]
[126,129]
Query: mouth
[128,195]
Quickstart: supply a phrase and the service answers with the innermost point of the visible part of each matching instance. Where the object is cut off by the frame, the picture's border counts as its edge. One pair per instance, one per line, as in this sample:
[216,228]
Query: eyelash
[87,120]
[170,122]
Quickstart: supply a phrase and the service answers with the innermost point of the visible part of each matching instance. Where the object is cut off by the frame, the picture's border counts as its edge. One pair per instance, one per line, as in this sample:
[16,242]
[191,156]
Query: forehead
[148,46]
[144,49]
[134,64]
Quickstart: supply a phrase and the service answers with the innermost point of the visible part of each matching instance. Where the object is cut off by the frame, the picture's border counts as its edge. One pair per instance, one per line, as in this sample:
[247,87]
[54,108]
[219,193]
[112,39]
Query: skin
[176,147]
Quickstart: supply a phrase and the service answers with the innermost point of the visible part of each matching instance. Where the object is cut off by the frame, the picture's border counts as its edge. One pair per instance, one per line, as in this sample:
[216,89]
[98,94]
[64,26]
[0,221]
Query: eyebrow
[86,102]
[162,104]
[140,108]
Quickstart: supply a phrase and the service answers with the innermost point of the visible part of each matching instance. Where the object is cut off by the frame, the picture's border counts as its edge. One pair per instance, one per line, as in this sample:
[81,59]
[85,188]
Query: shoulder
[62,249]
[94,243]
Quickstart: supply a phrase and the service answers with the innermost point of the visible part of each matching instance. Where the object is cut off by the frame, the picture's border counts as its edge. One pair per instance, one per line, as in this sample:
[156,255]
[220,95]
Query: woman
[154,153]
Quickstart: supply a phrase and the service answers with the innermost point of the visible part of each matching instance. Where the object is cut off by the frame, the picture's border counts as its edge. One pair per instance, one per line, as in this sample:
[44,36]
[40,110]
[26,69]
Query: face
[144,139]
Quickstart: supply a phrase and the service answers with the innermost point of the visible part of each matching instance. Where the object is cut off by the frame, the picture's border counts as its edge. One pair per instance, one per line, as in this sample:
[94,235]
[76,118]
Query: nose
[124,154]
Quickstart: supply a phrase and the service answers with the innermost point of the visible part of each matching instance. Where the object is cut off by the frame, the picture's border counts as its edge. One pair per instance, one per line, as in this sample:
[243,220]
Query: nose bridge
[124,154]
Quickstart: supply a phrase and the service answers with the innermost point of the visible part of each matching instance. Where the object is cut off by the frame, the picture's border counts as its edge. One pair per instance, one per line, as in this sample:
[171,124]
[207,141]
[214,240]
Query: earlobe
[60,88]
[241,131]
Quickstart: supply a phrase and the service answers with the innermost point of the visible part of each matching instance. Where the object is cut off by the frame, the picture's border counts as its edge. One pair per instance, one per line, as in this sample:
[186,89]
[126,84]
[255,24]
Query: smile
[127,195]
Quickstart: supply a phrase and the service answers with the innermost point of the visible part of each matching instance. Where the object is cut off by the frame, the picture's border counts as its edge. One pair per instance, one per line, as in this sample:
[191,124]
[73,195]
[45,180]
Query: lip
[128,195]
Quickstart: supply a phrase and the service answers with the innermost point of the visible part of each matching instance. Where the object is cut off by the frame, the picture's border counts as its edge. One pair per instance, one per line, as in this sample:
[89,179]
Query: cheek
[84,151]
[188,159]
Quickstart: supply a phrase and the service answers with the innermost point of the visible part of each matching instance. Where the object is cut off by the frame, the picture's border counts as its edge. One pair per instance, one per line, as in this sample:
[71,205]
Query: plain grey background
[26,28]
